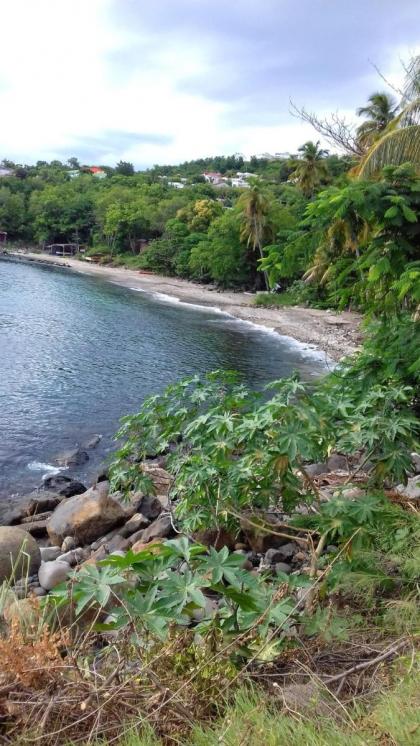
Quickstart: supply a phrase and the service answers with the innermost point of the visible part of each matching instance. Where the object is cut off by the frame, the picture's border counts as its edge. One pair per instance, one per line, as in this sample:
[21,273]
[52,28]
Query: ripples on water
[77,353]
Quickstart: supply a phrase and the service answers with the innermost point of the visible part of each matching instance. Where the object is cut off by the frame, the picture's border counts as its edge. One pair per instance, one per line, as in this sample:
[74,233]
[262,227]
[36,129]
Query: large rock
[159,529]
[41,501]
[36,528]
[149,506]
[19,553]
[72,457]
[85,517]
[162,480]
[93,441]
[48,554]
[72,488]
[137,522]
[53,573]
[411,490]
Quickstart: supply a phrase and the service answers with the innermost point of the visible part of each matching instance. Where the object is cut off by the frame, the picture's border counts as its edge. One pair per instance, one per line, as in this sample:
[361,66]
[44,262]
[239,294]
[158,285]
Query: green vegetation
[175,629]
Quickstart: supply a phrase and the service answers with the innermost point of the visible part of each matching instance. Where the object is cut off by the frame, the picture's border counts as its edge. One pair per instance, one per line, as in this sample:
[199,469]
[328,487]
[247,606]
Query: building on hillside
[239,183]
[62,249]
[73,174]
[212,177]
[97,171]
[176,184]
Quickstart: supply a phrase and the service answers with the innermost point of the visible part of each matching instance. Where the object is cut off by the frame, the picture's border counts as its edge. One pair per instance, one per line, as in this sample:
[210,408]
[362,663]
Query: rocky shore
[335,334]
[64,525]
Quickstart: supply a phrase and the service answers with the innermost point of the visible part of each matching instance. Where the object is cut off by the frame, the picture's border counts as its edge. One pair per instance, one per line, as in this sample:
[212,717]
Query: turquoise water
[77,353]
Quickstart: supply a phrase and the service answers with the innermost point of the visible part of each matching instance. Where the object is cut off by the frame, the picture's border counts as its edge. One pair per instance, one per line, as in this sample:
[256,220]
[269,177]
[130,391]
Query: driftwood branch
[367,664]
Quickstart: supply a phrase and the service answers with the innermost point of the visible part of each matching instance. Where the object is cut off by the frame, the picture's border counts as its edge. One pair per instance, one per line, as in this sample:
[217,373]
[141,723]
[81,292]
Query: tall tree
[256,226]
[311,169]
[379,112]
[399,142]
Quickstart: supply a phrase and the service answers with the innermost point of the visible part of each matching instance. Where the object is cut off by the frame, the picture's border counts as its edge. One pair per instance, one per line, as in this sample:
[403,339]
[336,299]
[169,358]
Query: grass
[254,719]
[275,300]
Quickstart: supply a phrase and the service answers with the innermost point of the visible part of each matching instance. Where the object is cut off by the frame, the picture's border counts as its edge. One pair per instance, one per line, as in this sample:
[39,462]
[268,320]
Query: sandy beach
[335,334]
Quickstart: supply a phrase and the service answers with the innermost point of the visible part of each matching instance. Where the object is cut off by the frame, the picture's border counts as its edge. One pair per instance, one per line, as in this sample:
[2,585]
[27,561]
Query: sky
[163,81]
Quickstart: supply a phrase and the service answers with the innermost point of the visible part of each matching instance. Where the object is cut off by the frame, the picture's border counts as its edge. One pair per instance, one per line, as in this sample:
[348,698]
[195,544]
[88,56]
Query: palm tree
[256,226]
[311,168]
[400,140]
[380,112]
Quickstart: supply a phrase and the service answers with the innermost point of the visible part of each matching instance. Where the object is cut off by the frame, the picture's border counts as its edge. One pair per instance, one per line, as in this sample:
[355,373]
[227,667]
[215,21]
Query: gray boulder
[137,522]
[411,490]
[85,517]
[159,529]
[48,554]
[283,567]
[72,488]
[93,441]
[41,501]
[19,553]
[53,573]
[72,457]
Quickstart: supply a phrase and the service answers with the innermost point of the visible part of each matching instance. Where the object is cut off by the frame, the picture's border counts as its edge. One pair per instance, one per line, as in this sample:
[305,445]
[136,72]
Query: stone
[315,470]
[37,517]
[105,539]
[287,551]
[48,554]
[272,556]
[282,567]
[54,482]
[19,553]
[159,529]
[41,501]
[39,591]
[36,528]
[148,505]
[53,573]
[411,490]
[117,543]
[140,546]
[73,557]
[85,517]
[136,537]
[137,522]
[73,457]
[161,478]
[68,543]
[93,441]
[72,488]
[415,460]
[337,462]
[307,699]
[102,475]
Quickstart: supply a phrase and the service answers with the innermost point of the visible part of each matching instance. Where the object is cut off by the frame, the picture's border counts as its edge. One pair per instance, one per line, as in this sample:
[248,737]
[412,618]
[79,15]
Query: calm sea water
[77,353]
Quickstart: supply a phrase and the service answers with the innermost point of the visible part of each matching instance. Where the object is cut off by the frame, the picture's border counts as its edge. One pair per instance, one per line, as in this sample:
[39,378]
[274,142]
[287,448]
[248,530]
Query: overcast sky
[162,81]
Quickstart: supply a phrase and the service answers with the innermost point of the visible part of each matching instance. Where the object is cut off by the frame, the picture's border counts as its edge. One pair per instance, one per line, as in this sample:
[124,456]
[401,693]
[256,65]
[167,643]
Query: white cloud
[60,84]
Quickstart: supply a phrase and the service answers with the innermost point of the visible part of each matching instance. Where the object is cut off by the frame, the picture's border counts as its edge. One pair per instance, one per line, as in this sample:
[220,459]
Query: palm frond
[396,147]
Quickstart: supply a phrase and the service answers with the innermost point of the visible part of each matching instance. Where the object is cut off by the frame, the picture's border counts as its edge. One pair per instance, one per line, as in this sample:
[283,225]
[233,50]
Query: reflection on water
[77,353]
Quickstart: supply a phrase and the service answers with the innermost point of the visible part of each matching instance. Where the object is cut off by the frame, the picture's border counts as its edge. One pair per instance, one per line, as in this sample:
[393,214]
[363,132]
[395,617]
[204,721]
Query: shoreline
[335,334]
